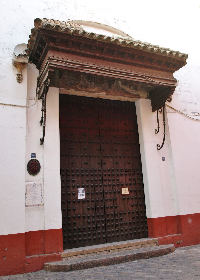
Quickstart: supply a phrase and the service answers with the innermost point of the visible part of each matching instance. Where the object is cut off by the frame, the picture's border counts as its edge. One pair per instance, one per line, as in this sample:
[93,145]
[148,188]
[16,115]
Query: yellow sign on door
[125,191]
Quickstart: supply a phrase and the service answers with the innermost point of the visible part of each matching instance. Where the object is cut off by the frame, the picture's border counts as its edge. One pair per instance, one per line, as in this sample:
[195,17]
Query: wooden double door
[101,172]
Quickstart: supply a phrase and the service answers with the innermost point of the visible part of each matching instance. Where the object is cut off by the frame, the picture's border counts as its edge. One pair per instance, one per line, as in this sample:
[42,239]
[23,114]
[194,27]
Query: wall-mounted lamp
[20,60]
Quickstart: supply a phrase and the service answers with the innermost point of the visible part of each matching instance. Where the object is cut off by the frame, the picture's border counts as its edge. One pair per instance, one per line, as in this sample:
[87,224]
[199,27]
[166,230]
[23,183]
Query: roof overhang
[113,67]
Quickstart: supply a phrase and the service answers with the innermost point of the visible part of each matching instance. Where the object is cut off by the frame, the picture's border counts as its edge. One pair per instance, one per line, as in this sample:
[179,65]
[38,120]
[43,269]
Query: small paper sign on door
[81,193]
[125,191]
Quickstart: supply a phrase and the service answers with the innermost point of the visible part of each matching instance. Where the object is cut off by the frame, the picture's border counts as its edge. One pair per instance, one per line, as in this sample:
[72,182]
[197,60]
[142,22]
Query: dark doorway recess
[100,158]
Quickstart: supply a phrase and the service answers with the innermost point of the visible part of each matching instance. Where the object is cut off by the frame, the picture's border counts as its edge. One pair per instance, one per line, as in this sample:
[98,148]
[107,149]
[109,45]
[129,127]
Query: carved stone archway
[112,67]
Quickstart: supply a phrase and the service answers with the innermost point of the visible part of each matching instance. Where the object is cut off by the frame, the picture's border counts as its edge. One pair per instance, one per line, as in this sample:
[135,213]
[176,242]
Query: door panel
[100,154]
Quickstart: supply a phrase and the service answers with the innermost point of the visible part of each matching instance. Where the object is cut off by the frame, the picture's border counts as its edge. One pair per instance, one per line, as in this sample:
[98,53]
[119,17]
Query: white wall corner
[52,185]
[155,164]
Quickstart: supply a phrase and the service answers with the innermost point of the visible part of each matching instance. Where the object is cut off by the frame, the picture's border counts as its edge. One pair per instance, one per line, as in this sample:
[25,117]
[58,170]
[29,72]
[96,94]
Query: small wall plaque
[33,155]
[34,194]
[33,167]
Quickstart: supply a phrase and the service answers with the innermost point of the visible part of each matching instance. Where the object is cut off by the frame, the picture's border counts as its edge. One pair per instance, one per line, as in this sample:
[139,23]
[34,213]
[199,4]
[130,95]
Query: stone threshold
[111,247]
[108,258]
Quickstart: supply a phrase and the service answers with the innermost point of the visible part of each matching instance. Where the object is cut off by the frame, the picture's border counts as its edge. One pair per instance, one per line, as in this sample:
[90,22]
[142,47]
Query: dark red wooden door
[100,159]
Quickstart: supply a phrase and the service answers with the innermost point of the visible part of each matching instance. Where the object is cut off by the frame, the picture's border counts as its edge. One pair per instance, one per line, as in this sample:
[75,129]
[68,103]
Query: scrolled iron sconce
[20,61]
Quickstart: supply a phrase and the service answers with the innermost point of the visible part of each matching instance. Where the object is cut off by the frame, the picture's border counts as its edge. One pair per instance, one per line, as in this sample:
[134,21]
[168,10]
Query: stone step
[104,259]
[111,247]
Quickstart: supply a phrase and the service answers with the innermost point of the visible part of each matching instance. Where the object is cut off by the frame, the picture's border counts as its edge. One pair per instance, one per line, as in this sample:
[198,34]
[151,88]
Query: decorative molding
[95,78]
[113,72]
[72,28]
[96,84]
[114,67]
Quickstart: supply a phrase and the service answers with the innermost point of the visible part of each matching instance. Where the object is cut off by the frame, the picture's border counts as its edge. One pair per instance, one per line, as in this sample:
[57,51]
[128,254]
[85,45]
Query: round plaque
[33,167]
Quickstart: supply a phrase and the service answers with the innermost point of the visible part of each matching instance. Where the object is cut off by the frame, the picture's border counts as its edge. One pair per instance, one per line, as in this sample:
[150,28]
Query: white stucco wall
[159,182]
[12,169]
[48,215]
[34,214]
[52,185]
[12,152]
[171,186]
[184,136]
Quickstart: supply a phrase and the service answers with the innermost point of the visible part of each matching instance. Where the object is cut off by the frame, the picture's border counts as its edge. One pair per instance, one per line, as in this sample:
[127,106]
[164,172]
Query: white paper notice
[81,193]
[34,194]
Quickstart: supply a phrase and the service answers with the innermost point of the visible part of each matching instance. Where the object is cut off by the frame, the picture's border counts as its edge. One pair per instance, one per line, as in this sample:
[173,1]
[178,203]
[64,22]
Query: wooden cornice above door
[91,64]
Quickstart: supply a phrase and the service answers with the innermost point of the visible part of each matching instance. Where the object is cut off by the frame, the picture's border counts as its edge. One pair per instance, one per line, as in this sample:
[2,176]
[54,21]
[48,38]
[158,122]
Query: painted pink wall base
[27,252]
[182,230]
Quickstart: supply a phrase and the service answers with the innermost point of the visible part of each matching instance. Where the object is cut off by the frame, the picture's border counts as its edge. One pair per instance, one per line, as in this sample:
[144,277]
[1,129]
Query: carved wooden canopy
[92,64]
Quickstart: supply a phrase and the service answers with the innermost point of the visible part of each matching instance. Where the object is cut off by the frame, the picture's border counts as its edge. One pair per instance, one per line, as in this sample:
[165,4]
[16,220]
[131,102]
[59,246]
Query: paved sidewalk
[183,264]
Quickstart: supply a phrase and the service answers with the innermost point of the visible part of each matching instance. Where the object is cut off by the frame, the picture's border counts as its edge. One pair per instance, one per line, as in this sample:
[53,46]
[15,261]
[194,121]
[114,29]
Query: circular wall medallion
[33,167]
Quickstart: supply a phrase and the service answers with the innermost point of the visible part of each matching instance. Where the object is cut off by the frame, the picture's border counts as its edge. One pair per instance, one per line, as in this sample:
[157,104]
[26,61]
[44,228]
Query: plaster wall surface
[171,186]
[34,214]
[12,171]
[160,195]
[12,153]
[184,135]
[52,184]
[48,215]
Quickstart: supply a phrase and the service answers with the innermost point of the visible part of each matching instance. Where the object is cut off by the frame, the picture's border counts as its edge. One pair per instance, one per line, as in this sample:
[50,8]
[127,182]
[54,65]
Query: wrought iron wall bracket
[43,117]
[158,129]
[159,147]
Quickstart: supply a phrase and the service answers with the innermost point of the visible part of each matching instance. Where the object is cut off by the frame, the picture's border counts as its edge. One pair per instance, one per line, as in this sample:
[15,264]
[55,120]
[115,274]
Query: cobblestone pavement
[183,264]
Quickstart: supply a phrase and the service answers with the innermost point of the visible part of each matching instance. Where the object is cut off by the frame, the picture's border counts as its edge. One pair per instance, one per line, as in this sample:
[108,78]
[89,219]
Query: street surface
[183,264]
